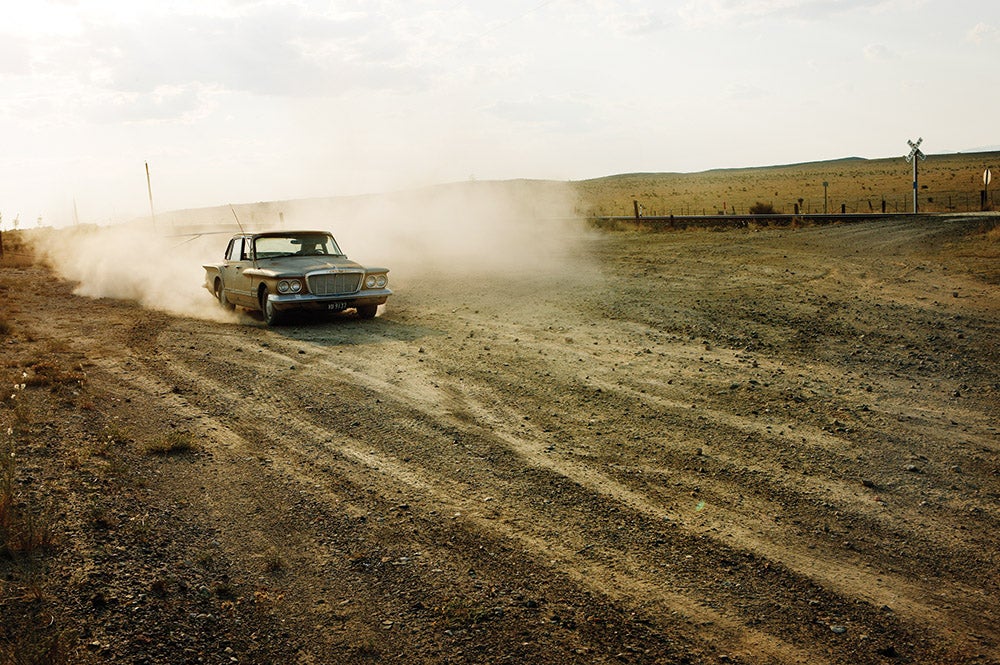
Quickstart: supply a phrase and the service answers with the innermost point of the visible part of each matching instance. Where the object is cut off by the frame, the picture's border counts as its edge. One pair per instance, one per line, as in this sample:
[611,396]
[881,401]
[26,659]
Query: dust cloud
[511,228]
[464,229]
[135,262]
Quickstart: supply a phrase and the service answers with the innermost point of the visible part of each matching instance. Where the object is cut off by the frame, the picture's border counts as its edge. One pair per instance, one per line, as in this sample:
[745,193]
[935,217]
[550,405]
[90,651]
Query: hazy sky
[247,100]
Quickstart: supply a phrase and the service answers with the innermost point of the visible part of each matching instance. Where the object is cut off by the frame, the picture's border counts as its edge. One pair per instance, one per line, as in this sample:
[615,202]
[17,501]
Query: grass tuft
[174,443]
[273,561]
[40,646]
[21,531]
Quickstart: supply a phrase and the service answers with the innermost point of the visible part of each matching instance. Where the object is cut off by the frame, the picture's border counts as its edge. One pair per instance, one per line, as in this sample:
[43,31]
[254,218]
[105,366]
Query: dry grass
[16,252]
[41,647]
[947,183]
[993,234]
[22,531]
[173,443]
[50,375]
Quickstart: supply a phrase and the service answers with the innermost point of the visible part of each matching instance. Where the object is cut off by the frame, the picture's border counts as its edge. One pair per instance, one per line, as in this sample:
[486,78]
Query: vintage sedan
[279,271]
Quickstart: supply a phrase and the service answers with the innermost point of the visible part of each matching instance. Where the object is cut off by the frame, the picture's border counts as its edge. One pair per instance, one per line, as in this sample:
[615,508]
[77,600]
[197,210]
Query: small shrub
[47,374]
[993,234]
[761,208]
[273,561]
[174,443]
[41,646]
[22,532]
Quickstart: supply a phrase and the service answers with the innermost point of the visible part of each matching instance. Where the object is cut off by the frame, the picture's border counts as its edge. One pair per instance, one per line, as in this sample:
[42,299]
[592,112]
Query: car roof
[283,233]
[291,232]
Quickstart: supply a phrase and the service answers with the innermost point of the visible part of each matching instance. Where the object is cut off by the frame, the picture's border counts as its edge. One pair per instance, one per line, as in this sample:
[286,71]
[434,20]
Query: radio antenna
[237,218]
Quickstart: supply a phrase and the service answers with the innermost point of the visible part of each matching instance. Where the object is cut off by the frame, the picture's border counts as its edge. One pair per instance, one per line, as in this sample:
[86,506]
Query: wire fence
[927,200]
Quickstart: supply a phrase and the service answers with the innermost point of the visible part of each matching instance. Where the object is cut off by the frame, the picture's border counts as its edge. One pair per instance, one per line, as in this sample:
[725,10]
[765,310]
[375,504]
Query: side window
[238,250]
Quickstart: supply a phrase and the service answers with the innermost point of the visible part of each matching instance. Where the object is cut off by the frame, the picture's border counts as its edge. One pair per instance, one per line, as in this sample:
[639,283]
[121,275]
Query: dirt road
[775,446]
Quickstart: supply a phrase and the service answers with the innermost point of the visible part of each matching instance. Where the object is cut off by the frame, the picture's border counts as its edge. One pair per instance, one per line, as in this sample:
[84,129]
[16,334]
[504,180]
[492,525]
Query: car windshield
[296,244]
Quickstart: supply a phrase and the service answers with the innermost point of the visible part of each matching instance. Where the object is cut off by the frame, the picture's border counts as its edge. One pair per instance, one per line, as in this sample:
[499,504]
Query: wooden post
[149,188]
[635,206]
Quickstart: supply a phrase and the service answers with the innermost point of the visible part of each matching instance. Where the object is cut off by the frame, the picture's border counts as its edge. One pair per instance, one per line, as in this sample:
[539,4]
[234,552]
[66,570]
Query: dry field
[948,183]
[775,446]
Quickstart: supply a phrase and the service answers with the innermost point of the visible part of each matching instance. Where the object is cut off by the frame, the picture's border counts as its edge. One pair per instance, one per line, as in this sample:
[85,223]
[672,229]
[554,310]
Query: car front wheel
[271,314]
[367,311]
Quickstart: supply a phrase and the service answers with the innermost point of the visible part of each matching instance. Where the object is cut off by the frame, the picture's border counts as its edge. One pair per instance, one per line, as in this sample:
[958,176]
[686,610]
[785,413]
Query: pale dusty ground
[773,446]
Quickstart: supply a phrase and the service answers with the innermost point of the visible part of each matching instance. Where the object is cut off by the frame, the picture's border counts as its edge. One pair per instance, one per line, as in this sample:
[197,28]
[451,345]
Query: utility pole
[912,157]
[149,188]
[987,178]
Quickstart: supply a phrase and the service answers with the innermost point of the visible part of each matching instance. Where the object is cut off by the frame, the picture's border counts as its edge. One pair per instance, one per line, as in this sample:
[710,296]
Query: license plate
[337,306]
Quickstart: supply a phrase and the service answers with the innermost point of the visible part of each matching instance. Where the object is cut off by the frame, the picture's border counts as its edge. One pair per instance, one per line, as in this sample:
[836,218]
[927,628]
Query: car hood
[299,265]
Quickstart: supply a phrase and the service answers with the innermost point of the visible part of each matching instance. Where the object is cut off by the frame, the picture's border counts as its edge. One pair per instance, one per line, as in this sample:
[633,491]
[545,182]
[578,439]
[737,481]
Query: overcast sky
[256,100]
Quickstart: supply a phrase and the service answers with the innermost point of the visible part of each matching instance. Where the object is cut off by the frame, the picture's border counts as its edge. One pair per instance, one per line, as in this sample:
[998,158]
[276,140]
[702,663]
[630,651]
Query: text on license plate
[337,306]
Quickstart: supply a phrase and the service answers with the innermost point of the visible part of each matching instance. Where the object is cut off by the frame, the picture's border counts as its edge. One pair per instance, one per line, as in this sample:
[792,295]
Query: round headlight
[295,285]
[381,281]
[283,287]
[370,281]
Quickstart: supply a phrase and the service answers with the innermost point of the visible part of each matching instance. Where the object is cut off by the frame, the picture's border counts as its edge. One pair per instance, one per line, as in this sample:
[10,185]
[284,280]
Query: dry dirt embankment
[776,446]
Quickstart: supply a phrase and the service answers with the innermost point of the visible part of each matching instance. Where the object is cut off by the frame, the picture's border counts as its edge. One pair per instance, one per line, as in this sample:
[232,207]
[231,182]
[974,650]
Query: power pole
[149,188]
[912,157]
[987,178]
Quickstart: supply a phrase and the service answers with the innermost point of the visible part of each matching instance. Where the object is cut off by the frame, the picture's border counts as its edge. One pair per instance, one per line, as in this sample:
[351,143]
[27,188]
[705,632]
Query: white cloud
[878,53]
[984,33]
[706,13]
[234,100]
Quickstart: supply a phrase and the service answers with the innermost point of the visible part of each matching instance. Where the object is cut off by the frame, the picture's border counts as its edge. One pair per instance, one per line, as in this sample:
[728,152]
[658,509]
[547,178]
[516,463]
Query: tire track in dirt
[370,469]
[919,602]
[453,494]
[498,416]
[447,495]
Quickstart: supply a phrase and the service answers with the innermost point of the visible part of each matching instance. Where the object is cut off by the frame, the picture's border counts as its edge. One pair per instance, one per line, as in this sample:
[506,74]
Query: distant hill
[948,183]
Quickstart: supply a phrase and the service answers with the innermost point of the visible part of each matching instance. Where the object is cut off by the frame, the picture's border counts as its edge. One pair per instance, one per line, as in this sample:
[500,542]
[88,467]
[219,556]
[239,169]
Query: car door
[239,289]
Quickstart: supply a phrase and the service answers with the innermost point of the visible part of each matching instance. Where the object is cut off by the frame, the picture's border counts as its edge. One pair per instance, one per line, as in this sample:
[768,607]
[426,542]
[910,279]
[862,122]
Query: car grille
[335,283]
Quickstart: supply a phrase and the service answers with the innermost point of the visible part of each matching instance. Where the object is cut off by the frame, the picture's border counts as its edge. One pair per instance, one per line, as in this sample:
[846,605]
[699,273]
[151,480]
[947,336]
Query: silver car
[278,271]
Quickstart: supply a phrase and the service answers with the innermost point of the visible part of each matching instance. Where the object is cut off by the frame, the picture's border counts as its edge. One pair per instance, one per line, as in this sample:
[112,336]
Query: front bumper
[288,301]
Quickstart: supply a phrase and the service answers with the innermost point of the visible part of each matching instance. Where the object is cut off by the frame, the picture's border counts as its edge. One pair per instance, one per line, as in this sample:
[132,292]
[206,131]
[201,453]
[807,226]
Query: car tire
[272,316]
[220,294]
[367,311]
